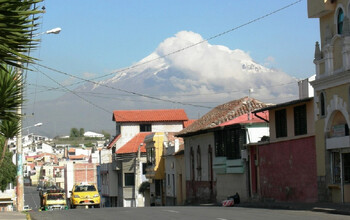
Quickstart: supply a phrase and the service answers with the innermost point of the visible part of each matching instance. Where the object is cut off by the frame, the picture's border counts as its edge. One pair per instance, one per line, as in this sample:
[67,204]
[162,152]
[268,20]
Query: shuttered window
[300,121]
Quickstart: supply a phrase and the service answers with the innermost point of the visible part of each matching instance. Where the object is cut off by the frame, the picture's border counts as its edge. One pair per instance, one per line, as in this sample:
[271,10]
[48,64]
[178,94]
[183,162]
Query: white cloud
[68,81]
[216,67]
[88,75]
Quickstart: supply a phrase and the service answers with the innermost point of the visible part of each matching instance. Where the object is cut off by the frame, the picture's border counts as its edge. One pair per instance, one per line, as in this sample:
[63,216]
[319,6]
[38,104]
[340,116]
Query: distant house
[93,134]
[131,124]
[175,184]
[215,153]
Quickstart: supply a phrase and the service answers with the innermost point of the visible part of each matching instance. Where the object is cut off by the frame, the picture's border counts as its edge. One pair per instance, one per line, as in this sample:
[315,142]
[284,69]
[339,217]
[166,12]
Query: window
[129,179]
[168,179]
[322,103]
[199,163]
[192,164]
[151,156]
[145,127]
[340,19]
[300,120]
[228,143]
[210,163]
[144,166]
[281,123]
[117,129]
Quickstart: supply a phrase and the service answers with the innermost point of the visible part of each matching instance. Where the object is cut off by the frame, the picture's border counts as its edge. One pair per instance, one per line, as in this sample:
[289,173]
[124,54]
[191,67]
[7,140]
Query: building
[131,124]
[215,154]
[332,99]
[175,185]
[283,167]
[155,170]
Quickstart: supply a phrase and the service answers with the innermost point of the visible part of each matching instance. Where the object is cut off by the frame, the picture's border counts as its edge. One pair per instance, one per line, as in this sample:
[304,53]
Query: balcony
[319,8]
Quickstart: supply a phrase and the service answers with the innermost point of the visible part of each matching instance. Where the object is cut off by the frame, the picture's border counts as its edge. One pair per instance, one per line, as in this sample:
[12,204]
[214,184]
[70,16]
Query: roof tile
[133,145]
[155,115]
[223,113]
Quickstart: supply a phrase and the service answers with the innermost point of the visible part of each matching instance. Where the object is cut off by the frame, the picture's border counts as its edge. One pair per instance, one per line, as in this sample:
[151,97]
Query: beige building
[332,99]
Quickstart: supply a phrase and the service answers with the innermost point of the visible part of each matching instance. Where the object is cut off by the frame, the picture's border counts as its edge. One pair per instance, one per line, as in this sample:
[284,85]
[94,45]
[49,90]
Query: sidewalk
[13,215]
[334,208]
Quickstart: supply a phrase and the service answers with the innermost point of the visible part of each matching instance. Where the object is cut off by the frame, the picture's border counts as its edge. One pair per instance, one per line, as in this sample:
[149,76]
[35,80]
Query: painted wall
[230,184]
[290,122]
[287,170]
[200,189]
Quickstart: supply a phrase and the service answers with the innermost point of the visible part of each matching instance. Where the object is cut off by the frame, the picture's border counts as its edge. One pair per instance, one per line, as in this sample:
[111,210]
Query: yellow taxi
[85,194]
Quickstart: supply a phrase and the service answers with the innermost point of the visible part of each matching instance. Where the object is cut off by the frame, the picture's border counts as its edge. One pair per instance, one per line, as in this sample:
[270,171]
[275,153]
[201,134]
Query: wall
[287,170]
[201,190]
[229,184]
[290,121]
[85,172]
[167,127]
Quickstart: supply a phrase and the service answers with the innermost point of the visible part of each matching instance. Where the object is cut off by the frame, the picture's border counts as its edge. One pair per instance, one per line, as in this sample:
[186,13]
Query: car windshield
[54,196]
[85,188]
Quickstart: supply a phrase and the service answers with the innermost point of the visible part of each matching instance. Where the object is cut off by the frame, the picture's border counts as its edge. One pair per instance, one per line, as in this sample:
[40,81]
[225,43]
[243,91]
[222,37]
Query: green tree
[74,132]
[81,132]
[10,92]
[7,169]
[17,22]
[8,129]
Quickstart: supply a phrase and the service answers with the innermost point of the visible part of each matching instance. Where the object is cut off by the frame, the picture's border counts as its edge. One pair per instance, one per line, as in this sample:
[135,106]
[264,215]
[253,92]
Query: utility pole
[137,175]
[19,156]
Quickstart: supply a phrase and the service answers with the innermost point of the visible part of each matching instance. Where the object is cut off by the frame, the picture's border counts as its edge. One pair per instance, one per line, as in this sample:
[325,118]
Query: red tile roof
[116,138]
[133,145]
[77,157]
[189,122]
[154,115]
[243,119]
[223,113]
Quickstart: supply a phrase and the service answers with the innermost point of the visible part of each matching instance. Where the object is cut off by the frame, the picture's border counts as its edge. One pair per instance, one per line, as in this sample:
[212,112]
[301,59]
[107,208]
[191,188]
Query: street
[31,197]
[182,212]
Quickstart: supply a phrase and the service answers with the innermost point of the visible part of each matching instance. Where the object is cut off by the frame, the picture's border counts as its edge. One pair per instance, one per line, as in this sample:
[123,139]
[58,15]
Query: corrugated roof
[133,145]
[294,102]
[223,113]
[149,115]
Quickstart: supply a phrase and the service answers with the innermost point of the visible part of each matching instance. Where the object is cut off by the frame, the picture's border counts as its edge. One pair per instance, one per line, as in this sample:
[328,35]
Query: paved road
[31,197]
[183,212]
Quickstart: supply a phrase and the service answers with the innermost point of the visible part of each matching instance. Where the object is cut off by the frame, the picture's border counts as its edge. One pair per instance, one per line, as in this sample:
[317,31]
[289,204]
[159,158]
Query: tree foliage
[10,92]
[8,129]
[74,132]
[17,23]
[7,168]
[81,132]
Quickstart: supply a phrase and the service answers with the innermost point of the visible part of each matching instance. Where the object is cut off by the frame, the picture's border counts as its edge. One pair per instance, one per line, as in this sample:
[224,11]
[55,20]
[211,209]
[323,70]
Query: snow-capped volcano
[196,79]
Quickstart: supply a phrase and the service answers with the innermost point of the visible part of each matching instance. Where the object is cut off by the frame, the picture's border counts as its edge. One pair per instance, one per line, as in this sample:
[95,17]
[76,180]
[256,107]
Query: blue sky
[99,37]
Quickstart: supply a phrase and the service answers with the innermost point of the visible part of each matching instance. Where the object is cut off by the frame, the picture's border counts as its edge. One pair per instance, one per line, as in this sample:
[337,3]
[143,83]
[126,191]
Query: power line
[171,53]
[73,92]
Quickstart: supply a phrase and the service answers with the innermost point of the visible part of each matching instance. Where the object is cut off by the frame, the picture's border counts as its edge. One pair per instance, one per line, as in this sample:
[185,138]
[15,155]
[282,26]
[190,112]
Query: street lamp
[19,156]
[52,31]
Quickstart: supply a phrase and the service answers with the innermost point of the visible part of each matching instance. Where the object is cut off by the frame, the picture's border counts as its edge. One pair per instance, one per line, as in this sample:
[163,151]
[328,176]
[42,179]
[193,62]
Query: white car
[26,208]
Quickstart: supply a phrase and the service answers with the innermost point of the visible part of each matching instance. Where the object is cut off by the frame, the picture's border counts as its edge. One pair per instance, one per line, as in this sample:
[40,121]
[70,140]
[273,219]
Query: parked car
[26,208]
[85,194]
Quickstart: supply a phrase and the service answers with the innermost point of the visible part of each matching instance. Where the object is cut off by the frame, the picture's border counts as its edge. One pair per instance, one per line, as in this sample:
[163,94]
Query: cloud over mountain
[202,74]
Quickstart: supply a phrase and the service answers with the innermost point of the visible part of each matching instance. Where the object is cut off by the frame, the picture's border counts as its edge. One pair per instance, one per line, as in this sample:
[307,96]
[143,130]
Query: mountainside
[196,79]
